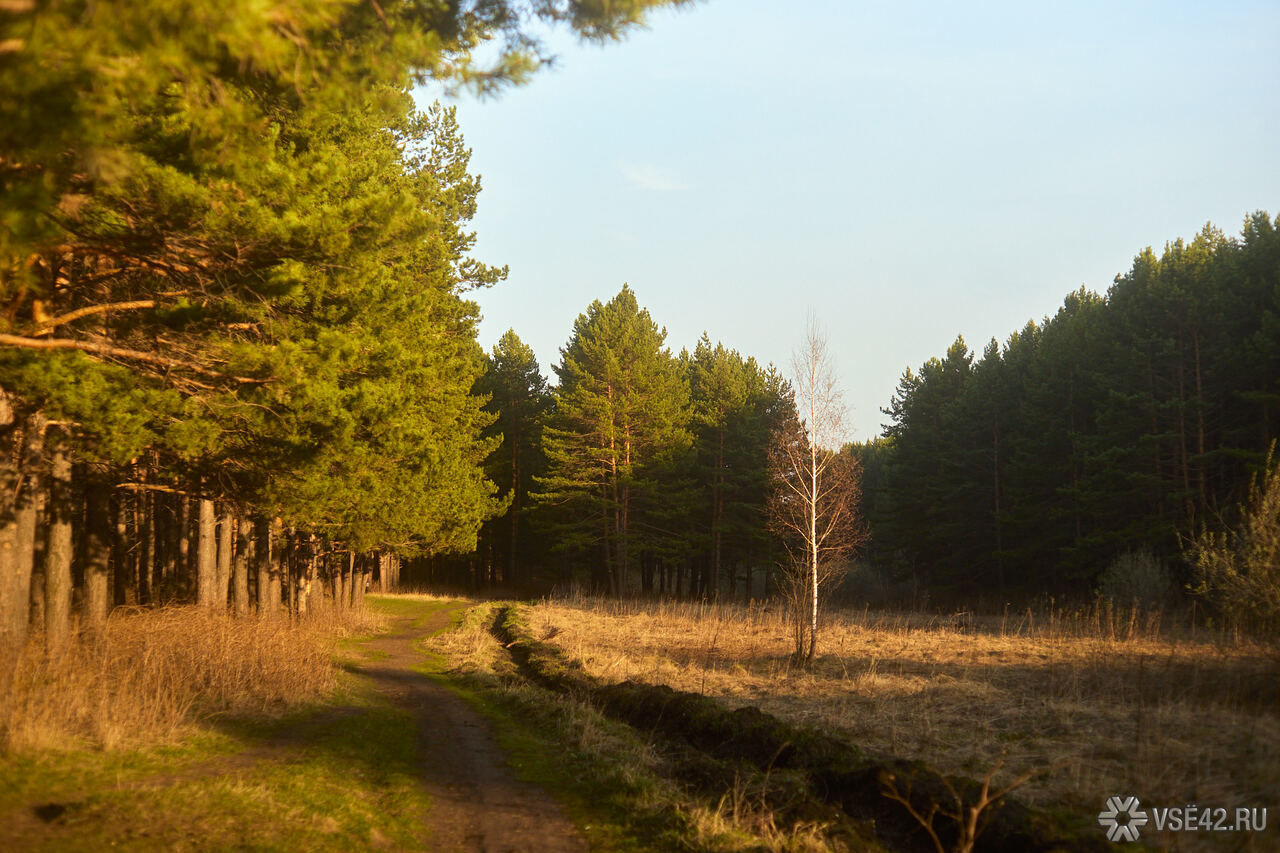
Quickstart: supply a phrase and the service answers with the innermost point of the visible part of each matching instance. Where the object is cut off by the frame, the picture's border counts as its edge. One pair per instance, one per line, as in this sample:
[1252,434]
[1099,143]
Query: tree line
[640,470]
[1130,422]
[234,328]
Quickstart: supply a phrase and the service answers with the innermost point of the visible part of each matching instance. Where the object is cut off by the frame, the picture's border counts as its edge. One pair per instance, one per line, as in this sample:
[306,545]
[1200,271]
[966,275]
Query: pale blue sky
[910,171]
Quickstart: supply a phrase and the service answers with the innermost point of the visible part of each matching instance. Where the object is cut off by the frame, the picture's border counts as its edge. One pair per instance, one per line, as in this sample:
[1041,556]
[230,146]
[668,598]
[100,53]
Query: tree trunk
[240,567]
[226,536]
[341,590]
[57,554]
[28,513]
[717,517]
[207,558]
[13,607]
[164,516]
[120,545]
[510,575]
[313,582]
[35,526]
[17,534]
[96,547]
[146,532]
[1201,476]
[264,567]
[183,544]
[813,546]
[361,575]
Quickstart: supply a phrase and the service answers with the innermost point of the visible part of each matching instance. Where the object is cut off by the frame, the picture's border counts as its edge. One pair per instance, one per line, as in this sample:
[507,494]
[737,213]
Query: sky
[906,171]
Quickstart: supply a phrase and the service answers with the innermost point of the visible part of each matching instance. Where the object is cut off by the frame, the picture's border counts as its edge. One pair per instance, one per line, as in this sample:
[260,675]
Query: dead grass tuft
[152,672]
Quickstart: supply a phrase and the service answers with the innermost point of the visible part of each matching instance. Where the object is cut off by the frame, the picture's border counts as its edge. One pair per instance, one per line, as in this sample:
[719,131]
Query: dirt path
[478,804]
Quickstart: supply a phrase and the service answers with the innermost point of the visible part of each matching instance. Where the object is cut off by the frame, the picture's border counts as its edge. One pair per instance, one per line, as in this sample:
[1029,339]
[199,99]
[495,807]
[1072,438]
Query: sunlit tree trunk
[360,571]
[226,537]
[240,567]
[206,558]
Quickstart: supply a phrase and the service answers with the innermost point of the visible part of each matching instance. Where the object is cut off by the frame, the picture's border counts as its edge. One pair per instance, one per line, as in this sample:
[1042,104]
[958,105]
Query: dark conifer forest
[1126,423]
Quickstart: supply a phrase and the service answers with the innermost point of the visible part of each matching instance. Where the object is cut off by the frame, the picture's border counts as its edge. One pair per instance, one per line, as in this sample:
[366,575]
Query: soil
[478,803]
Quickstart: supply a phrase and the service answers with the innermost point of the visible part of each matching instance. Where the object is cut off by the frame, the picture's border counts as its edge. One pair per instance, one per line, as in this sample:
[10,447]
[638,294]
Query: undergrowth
[152,672]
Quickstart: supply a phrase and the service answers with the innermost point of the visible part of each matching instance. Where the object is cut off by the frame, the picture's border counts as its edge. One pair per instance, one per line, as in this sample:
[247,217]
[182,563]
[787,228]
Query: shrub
[1239,569]
[1138,578]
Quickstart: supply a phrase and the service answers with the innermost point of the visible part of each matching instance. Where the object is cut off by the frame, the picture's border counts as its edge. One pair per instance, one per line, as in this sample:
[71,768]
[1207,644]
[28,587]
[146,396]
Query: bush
[1138,578]
[1239,570]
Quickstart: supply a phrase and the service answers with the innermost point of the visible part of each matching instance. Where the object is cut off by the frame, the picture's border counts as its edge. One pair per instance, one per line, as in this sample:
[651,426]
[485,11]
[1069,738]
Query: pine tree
[620,408]
[521,401]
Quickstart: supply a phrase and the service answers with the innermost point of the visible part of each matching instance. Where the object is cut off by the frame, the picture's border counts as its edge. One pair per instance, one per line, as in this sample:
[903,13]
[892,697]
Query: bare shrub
[1138,578]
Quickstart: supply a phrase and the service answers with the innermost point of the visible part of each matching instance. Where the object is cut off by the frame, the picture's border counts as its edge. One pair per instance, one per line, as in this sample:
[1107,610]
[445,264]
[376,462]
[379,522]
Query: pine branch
[119,352]
[71,316]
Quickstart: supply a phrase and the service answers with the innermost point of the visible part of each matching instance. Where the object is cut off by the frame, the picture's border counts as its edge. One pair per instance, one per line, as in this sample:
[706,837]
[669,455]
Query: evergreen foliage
[736,407]
[233,265]
[1124,422]
[521,401]
[621,411]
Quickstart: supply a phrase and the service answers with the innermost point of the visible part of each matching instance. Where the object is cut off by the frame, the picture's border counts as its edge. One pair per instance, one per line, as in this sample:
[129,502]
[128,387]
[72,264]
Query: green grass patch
[335,778]
[420,610]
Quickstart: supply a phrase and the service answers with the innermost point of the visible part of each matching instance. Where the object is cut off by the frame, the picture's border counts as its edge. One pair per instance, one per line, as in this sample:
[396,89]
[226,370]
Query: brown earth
[478,802]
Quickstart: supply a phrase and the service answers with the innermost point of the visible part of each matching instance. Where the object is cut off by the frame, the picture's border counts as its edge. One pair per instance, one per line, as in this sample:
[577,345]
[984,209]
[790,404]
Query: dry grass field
[1104,704]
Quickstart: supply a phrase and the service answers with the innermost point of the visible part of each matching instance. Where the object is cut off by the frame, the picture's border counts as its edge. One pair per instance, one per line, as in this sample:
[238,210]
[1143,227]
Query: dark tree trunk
[145,526]
[186,566]
[265,568]
[120,548]
[57,555]
[96,548]
[18,521]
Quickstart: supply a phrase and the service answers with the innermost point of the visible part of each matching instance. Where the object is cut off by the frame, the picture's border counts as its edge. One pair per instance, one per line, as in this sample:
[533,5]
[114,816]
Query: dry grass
[152,672]
[1116,705]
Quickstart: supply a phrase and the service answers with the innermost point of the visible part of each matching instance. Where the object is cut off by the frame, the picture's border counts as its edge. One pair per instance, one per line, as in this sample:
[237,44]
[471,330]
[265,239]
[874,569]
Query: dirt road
[478,803]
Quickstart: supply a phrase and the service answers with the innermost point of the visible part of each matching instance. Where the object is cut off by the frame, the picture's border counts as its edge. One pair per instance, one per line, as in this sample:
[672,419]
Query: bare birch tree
[814,504]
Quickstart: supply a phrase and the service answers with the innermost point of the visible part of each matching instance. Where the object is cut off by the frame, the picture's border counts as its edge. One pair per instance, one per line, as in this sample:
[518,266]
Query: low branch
[71,316]
[119,352]
[152,487]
